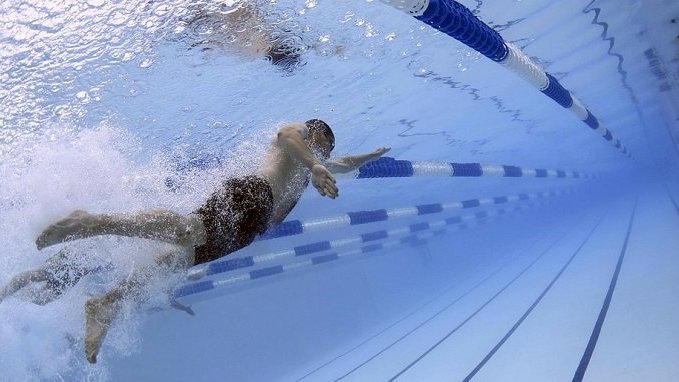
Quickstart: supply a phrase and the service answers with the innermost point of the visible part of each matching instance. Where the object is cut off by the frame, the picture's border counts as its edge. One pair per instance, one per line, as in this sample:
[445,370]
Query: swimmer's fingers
[382,150]
[320,190]
[330,188]
[329,185]
[324,181]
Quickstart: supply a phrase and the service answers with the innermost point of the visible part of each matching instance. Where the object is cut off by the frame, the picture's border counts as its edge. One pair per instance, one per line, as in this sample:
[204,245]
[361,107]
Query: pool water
[119,106]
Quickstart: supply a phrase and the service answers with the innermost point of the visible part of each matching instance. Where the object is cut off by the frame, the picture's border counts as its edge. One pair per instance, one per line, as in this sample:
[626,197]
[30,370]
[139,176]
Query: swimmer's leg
[157,224]
[65,274]
[100,312]
[21,280]
[44,296]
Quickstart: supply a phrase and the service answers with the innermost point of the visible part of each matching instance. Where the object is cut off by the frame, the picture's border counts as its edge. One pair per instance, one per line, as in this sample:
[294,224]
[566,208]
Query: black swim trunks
[64,277]
[233,216]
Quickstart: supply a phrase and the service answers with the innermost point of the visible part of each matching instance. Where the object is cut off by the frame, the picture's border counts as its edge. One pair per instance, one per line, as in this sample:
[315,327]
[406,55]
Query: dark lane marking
[589,350]
[524,270]
[530,309]
[418,309]
[446,291]
[674,202]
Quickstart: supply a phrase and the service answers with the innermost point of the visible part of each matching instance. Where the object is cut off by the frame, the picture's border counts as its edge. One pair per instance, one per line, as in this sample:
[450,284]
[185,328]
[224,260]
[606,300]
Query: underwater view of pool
[518,220]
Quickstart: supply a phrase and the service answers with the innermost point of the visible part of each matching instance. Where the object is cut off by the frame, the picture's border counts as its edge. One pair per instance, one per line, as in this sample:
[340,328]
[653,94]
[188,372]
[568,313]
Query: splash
[99,170]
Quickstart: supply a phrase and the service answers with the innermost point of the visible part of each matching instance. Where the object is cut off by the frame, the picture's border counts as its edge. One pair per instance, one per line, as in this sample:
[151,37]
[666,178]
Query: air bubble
[127,56]
[117,18]
[162,10]
[145,63]
[96,3]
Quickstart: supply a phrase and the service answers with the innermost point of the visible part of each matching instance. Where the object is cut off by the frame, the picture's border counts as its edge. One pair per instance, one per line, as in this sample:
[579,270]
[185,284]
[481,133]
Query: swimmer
[229,220]
[243,28]
[59,273]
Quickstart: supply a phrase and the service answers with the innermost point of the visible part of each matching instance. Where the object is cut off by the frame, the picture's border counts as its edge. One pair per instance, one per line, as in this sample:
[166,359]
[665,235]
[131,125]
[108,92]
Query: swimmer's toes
[40,242]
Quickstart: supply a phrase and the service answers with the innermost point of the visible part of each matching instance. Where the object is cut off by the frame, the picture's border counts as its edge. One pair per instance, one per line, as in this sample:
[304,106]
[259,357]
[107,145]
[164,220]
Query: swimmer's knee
[193,232]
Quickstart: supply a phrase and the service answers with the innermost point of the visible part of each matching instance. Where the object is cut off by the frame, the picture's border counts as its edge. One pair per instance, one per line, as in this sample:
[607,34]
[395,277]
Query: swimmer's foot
[78,225]
[99,313]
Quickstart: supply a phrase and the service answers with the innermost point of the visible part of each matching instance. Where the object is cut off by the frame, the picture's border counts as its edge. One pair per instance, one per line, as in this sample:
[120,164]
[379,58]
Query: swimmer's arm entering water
[291,138]
[352,162]
[291,142]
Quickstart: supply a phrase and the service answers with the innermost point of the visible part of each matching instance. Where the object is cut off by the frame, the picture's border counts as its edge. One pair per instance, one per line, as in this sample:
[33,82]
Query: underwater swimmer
[229,220]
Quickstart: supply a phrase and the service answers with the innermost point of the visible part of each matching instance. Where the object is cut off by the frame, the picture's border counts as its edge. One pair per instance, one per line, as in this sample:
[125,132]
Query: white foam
[60,171]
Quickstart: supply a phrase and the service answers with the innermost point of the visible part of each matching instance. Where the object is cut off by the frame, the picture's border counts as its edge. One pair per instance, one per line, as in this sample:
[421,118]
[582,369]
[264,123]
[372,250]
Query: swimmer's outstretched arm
[349,163]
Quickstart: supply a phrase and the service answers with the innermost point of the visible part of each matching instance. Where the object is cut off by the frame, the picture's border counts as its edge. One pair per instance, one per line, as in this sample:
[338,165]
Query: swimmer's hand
[378,153]
[324,181]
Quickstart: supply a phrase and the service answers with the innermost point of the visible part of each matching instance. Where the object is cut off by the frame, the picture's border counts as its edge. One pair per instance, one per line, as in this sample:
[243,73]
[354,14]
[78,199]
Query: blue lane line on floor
[446,291]
[589,350]
[674,202]
[523,271]
[530,309]
[473,288]
[469,291]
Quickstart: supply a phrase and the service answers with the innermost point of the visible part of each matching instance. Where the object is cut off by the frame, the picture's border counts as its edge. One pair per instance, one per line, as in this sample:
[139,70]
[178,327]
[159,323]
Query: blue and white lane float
[298,227]
[415,237]
[228,265]
[455,20]
[412,240]
[387,167]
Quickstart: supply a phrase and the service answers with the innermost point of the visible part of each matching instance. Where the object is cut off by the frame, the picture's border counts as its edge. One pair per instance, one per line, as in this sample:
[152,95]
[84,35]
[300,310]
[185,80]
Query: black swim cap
[316,125]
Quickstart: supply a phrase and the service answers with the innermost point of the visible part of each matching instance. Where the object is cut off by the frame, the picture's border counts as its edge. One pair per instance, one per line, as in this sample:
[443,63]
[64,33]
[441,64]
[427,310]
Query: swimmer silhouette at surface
[246,29]
[229,220]
[241,28]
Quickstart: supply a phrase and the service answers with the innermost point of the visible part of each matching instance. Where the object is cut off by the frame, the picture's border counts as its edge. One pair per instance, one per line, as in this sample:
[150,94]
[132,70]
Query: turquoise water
[102,101]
